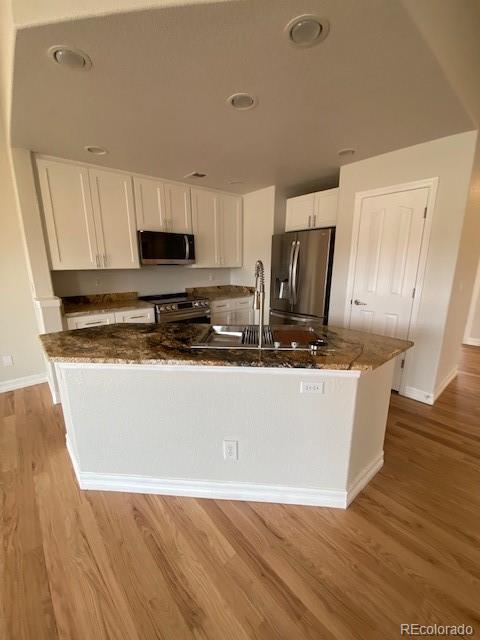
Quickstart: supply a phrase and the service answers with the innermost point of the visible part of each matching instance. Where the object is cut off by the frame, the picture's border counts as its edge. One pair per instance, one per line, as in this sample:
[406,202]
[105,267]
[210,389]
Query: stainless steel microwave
[159,247]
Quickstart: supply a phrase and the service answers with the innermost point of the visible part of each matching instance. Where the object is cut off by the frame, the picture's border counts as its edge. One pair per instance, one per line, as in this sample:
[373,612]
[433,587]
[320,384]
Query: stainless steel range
[178,307]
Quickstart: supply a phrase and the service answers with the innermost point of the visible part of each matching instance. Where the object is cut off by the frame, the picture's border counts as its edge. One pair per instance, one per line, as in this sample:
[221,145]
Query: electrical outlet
[312,387]
[230,449]
[7,361]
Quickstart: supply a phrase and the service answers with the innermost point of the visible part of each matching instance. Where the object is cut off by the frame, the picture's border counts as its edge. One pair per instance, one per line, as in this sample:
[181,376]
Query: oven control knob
[162,307]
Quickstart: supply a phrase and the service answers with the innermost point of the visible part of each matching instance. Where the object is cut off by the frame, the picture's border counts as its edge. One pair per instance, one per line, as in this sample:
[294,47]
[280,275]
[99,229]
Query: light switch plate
[7,361]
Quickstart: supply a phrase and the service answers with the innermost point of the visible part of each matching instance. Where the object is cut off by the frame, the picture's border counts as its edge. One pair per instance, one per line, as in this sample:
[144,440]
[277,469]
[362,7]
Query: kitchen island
[145,412]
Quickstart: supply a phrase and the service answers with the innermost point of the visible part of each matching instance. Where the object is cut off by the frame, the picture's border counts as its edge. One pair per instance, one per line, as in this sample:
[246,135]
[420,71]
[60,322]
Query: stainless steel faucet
[259,299]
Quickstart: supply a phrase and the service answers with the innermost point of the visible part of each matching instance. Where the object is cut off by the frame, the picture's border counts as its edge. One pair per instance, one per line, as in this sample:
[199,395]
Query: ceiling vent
[196,174]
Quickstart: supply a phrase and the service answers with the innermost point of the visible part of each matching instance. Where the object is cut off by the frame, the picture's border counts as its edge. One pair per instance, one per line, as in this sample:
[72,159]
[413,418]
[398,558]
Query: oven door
[196,316]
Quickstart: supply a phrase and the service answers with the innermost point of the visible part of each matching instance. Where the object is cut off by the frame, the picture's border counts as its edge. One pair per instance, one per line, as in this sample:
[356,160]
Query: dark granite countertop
[221,292]
[102,303]
[169,345]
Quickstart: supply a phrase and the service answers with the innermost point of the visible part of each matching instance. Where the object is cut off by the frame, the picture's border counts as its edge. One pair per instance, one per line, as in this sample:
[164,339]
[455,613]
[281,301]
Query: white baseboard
[19,383]
[426,397]
[418,394]
[364,477]
[473,342]
[445,382]
[224,490]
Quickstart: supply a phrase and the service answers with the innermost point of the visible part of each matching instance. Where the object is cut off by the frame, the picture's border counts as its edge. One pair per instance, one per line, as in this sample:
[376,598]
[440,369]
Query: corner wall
[258,226]
[450,159]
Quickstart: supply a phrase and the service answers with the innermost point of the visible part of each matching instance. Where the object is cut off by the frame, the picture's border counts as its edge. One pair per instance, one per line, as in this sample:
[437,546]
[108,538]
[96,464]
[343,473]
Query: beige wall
[464,280]
[18,331]
[258,225]
[161,279]
[450,159]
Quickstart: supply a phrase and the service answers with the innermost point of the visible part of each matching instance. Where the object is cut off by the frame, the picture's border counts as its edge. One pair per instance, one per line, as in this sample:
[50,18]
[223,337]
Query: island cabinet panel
[218,228]
[127,431]
[312,211]
[69,220]
[89,216]
[162,206]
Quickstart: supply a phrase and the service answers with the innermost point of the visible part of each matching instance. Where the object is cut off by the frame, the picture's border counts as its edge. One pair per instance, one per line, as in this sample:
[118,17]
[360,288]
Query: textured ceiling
[155,96]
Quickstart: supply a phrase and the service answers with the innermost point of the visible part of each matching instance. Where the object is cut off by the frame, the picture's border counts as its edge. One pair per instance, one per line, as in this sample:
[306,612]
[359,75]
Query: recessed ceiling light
[196,174]
[97,151]
[68,57]
[242,101]
[307,30]
[346,152]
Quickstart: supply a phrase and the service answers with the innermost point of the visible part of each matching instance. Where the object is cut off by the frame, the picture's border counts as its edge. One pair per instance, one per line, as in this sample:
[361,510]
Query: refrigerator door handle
[295,272]
[290,270]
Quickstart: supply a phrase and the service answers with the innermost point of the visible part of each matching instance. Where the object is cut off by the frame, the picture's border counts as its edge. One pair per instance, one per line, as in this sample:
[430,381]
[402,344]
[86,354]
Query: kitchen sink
[275,338]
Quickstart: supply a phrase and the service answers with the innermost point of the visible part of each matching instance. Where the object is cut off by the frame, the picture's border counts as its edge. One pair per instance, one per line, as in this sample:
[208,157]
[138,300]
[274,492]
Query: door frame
[432,185]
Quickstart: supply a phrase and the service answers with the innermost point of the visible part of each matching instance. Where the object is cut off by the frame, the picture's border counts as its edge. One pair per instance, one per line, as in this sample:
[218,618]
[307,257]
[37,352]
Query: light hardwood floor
[95,565]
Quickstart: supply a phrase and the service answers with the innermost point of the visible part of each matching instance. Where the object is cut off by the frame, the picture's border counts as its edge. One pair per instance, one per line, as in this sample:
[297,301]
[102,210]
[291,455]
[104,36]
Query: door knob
[359,302]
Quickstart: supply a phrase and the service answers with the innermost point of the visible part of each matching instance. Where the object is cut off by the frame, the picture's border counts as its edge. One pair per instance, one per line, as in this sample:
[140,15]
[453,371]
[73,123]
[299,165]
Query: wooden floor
[97,565]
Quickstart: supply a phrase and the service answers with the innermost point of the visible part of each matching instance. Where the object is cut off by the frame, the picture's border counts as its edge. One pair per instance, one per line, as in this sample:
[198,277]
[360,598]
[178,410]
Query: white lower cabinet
[232,311]
[146,316]
[98,319]
[90,320]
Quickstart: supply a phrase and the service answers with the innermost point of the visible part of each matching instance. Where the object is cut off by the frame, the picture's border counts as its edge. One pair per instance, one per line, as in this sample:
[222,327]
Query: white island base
[161,429]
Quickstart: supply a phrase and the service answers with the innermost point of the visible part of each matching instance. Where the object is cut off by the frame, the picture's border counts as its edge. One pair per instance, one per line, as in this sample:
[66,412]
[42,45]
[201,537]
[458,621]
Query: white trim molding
[418,394]
[440,388]
[216,490]
[427,397]
[20,383]
[473,342]
[364,477]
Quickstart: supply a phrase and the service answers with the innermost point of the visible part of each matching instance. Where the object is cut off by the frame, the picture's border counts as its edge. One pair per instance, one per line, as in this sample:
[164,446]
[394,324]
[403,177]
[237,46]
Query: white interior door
[388,250]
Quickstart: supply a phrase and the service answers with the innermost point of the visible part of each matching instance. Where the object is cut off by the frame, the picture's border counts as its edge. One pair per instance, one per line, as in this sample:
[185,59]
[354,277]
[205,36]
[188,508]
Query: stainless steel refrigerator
[301,276]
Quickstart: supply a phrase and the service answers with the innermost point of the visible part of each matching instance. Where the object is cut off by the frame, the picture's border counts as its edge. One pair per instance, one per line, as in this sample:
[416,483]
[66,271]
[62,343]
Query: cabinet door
[231,231]
[146,316]
[150,204]
[90,320]
[222,317]
[177,208]
[300,212]
[325,213]
[242,316]
[67,206]
[206,227]
[112,196]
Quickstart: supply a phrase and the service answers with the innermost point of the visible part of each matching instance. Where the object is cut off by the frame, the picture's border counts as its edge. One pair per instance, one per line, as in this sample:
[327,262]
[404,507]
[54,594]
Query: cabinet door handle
[97,260]
[104,259]
[92,323]
[309,221]
[360,303]
[136,317]
[314,220]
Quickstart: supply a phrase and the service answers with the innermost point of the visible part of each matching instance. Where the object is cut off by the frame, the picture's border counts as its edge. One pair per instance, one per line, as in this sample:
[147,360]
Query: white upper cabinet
[162,206]
[67,205]
[231,231]
[177,207]
[312,210]
[114,211]
[217,220]
[89,216]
